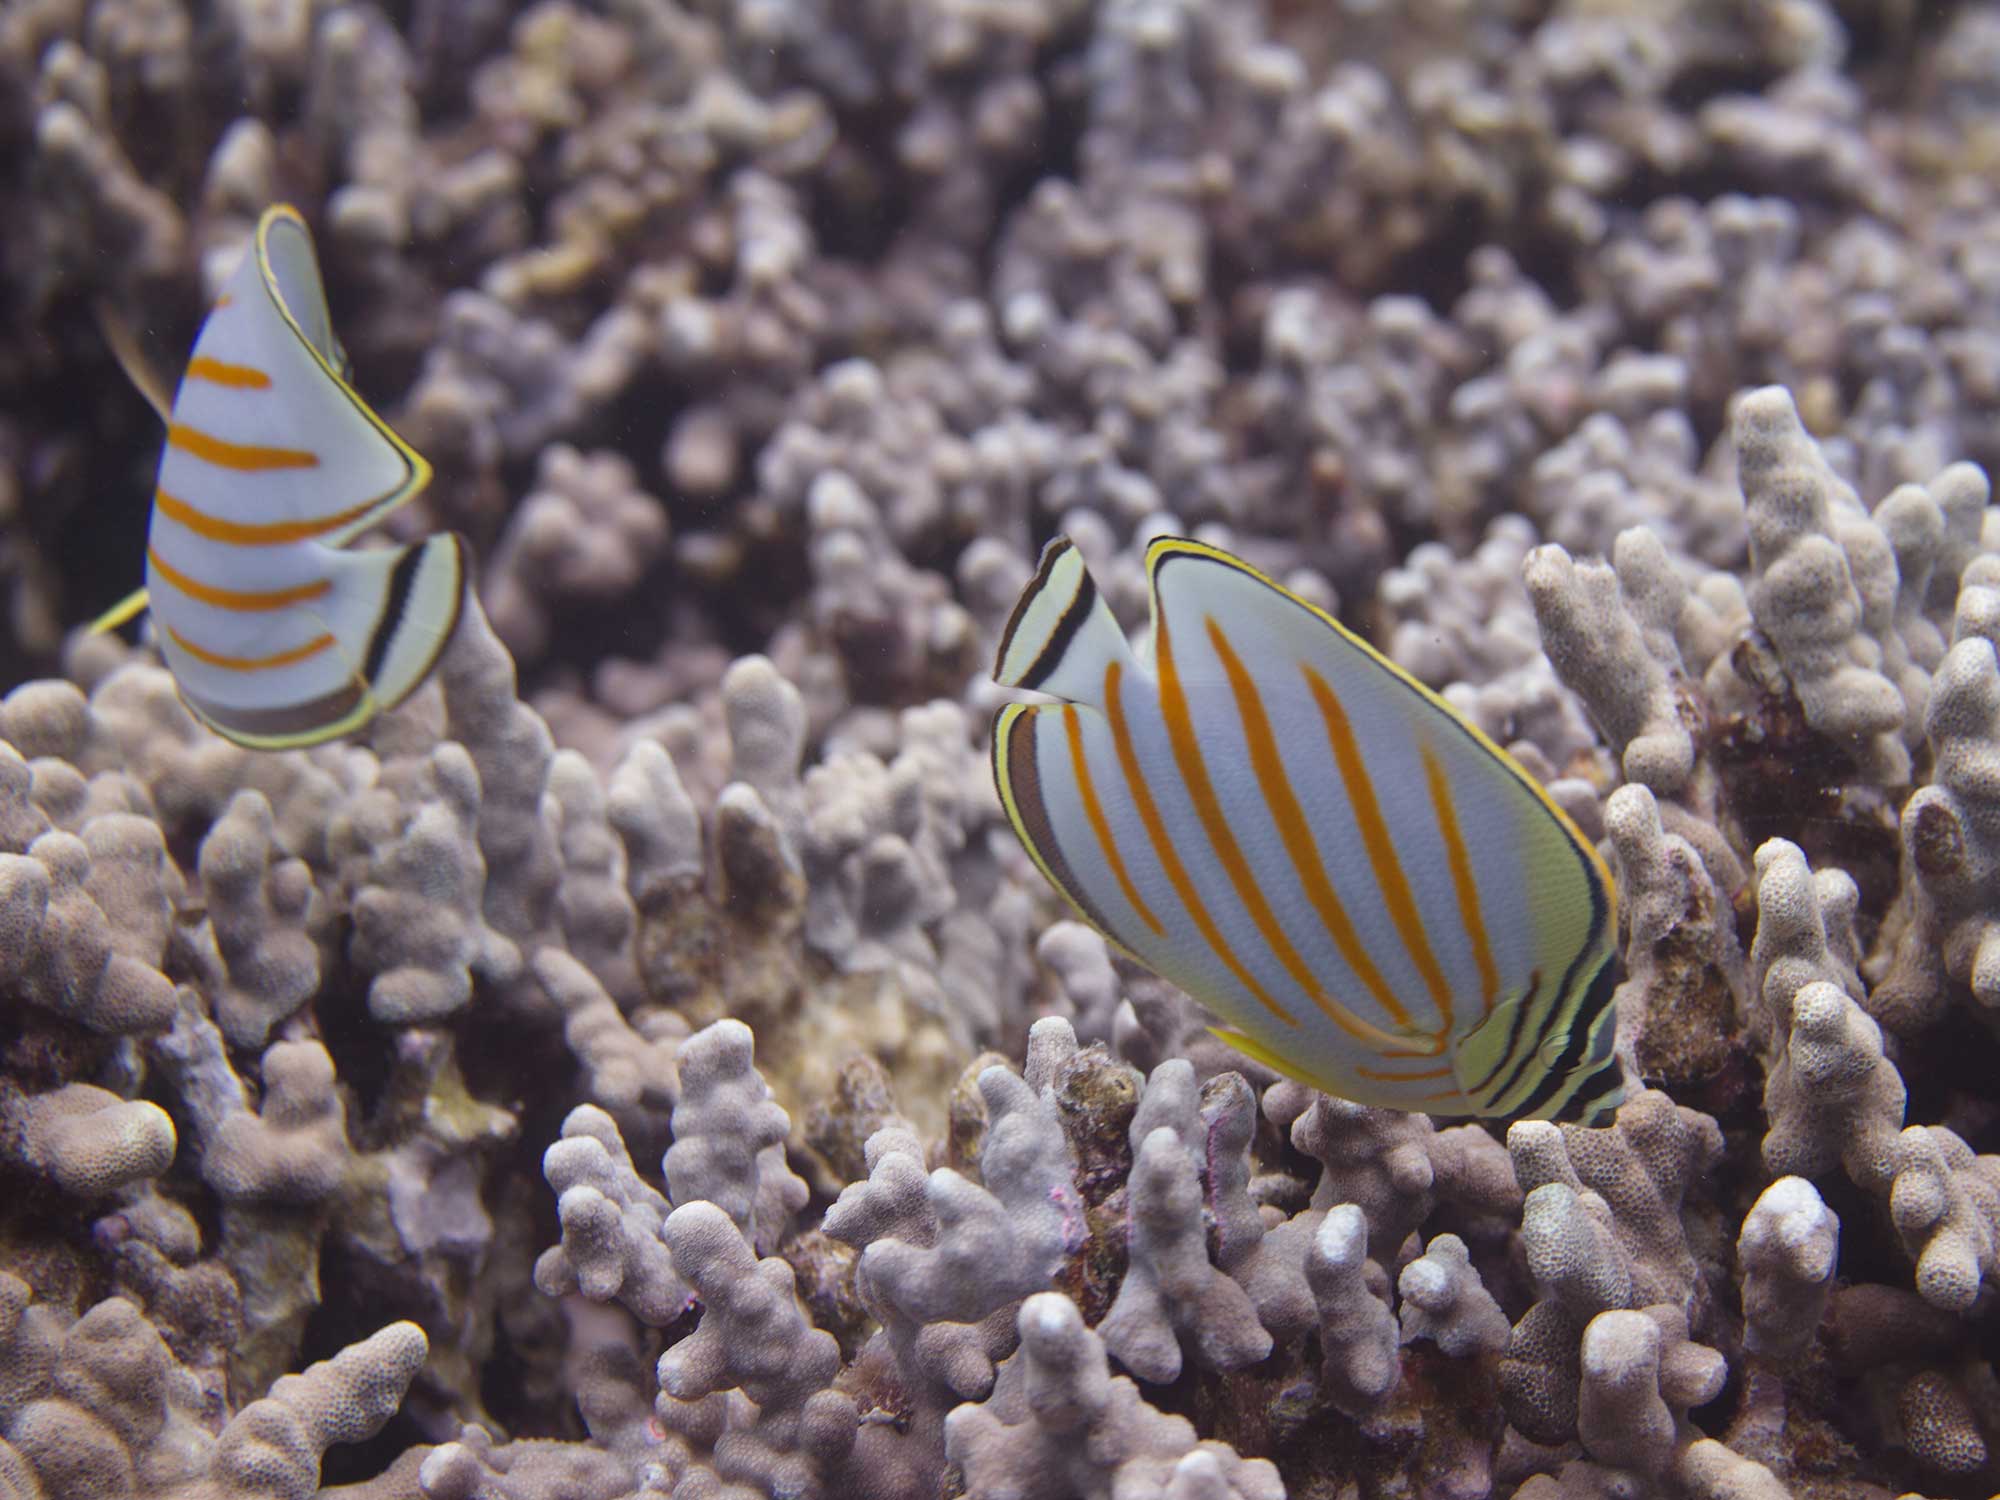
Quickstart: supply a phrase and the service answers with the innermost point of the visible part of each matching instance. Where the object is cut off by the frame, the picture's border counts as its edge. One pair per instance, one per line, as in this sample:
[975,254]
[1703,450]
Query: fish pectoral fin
[123,342]
[128,608]
[1549,1056]
[1062,635]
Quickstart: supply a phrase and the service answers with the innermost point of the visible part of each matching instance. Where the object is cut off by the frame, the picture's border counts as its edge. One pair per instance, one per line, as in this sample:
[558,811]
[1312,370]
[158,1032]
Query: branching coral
[1065,1424]
[88,1141]
[1625,373]
[102,1407]
[1948,847]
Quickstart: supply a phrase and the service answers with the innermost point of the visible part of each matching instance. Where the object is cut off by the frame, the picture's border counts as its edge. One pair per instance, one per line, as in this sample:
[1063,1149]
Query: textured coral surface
[645,1063]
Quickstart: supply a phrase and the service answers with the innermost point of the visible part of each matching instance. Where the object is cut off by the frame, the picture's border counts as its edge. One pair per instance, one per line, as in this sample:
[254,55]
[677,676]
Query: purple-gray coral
[1445,1301]
[729,1137]
[1640,1375]
[59,949]
[1170,1290]
[1803,592]
[1626,373]
[419,926]
[1948,843]
[1788,1248]
[795,1432]
[611,1219]
[294,1147]
[1357,1330]
[1061,1423]
[97,1404]
[1597,647]
[997,1244]
[88,1141]
[261,909]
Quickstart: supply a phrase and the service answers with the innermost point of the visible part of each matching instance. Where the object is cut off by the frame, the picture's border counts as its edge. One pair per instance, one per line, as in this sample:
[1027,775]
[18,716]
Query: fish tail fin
[1547,1055]
[395,609]
[1061,635]
[1595,1087]
[390,613]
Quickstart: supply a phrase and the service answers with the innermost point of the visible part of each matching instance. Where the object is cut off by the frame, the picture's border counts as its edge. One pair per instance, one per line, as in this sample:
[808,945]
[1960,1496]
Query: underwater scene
[1010,749]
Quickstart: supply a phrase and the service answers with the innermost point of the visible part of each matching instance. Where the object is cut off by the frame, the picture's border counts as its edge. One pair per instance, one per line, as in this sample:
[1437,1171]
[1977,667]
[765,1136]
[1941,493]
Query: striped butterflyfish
[276,634]
[1375,898]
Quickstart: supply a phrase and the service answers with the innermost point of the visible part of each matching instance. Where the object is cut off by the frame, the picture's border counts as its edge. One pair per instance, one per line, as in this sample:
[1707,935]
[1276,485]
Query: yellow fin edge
[1250,1047]
[129,608]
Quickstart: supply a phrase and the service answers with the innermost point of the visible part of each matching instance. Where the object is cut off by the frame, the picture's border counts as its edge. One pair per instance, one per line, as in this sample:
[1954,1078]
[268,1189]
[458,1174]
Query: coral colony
[646,1063]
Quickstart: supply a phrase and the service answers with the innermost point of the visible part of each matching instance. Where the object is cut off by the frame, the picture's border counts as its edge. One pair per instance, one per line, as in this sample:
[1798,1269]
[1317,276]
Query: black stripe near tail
[402,580]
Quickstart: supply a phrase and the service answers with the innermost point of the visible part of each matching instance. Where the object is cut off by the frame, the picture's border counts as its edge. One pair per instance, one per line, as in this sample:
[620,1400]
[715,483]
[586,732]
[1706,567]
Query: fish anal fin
[1283,1066]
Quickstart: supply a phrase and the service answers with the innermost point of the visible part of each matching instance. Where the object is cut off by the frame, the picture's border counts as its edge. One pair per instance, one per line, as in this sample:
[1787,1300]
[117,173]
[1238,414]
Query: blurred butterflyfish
[277,634]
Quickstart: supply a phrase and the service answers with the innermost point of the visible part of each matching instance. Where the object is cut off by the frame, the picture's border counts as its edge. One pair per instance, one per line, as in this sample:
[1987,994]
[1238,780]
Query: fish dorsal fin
[290,268]
[1211,580]
[1061,635]
[266,441]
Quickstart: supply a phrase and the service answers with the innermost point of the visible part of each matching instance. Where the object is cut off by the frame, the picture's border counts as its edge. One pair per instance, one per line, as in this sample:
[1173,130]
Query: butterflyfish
[1375,898]
[276,634]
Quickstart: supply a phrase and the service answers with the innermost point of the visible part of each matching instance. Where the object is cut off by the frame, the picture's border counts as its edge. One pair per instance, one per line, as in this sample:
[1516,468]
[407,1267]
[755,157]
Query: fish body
[1377,899]
[278,635]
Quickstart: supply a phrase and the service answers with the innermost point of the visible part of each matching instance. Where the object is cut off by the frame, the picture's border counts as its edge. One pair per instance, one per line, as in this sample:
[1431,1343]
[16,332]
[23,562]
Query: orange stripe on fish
[254,533]
[1382,860]
[242,600]
[1208,808]
[1427,1073]
[1464,885]
[1094,810]
[1296,833]
[1163,848]
[202,654]
[221,372]
[244,457]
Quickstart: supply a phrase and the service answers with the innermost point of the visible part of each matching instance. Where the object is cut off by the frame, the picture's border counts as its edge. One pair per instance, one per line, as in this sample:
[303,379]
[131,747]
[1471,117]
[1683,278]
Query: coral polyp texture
[645,1063]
